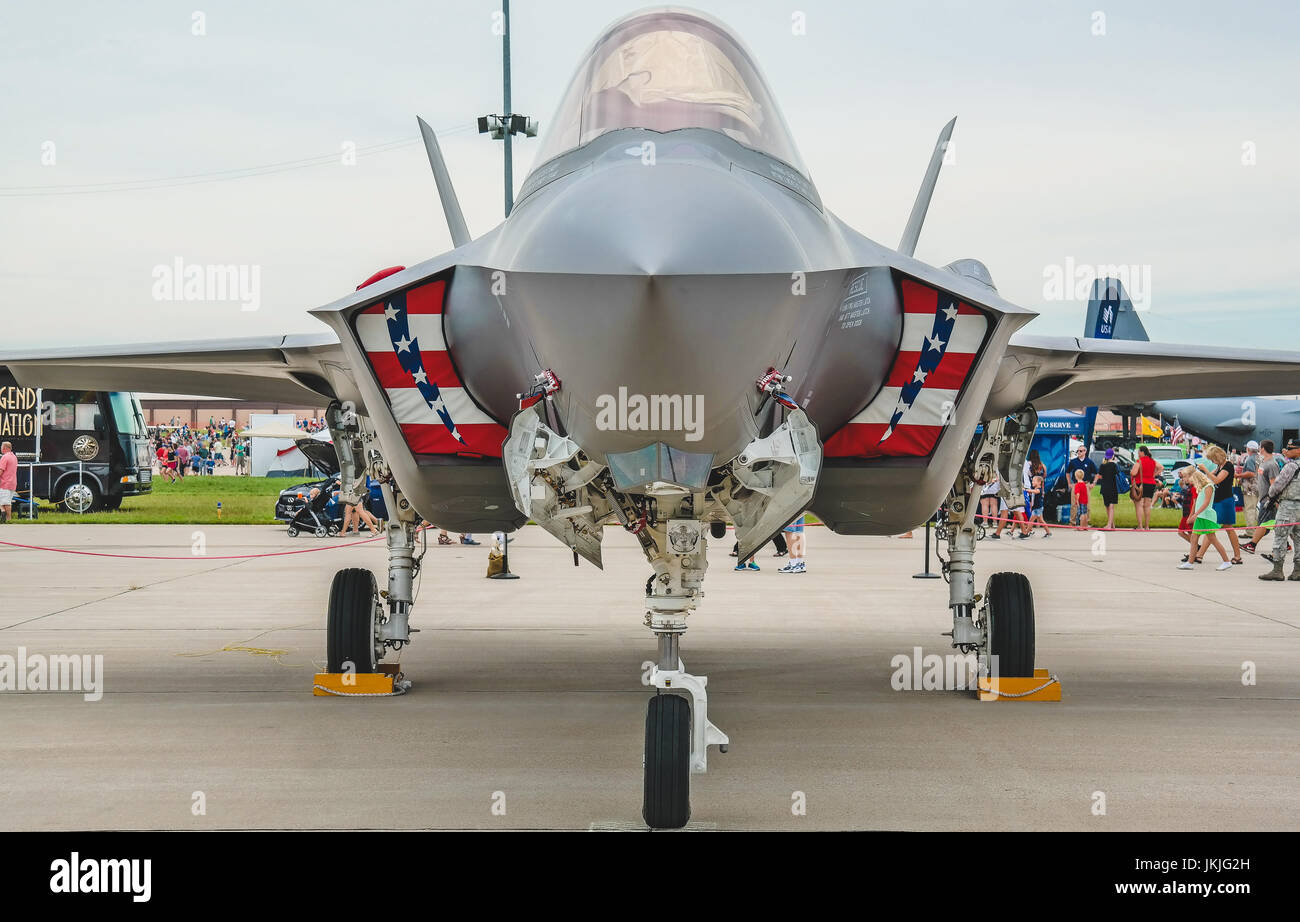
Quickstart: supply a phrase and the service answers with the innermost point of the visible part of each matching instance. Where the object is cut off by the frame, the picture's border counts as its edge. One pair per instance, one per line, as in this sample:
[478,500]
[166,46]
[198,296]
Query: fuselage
[670,280]
[1234,421]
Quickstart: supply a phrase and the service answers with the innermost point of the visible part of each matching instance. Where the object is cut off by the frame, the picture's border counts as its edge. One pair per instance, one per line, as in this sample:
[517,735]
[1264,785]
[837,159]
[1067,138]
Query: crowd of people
[1270,491]
[1203,491]
[179,450]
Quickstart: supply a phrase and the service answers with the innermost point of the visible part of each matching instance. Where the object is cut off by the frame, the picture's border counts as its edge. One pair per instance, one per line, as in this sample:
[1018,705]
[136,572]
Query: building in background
[161,409]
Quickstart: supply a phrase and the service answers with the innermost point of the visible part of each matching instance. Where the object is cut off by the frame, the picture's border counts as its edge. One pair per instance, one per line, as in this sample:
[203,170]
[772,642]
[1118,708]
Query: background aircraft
[672,333]
[1227,421]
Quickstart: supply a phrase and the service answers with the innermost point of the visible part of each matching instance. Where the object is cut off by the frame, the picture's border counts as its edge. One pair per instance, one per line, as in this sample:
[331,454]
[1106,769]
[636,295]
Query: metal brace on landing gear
[401,527]
[671,594]
[703,733]
[1001,453]
[345,431]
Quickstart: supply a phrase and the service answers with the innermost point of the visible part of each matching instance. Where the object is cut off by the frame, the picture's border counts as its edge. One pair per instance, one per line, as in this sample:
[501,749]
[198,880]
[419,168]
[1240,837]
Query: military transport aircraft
[672,333]
[1230,421]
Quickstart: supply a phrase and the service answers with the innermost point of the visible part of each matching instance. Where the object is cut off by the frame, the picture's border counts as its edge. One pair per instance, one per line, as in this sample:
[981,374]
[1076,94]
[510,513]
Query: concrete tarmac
[528,708]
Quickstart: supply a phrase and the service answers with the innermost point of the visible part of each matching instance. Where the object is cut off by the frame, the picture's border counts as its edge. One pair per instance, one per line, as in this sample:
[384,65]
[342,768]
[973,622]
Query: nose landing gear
[678,732]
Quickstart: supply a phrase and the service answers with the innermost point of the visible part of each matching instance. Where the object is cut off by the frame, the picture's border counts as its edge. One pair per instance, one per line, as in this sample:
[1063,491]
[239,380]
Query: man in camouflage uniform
[1286,489]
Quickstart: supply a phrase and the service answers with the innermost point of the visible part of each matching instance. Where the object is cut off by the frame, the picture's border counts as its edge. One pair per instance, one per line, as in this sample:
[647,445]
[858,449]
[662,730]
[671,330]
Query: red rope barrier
[1165,528]
[305,550]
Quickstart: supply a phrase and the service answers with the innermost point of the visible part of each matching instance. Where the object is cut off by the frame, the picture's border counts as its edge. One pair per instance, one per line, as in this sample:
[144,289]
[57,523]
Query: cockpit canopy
[667,69]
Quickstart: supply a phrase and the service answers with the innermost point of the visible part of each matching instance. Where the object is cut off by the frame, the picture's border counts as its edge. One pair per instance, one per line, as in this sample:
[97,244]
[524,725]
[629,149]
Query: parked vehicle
[92,446]
[324,460]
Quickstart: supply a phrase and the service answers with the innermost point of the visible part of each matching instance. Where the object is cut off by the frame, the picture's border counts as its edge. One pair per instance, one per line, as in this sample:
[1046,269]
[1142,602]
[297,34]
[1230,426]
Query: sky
[1158,135]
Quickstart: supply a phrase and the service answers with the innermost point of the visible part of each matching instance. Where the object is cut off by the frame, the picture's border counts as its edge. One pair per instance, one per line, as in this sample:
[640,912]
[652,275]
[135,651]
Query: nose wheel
[667,801]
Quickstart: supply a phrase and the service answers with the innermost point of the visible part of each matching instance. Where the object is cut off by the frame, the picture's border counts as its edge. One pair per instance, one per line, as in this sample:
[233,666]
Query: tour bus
[90,448]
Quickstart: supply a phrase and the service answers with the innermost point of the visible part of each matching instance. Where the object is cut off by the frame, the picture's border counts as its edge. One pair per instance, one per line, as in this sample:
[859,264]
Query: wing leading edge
[290,369]
[1056,373]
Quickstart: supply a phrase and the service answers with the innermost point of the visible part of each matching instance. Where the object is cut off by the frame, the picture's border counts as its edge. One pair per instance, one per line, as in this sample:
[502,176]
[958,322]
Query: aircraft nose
[662,219]
[675,358]
[659,286]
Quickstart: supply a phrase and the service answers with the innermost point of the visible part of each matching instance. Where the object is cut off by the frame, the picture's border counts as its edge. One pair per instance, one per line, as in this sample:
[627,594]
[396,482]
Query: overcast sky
[1122,148]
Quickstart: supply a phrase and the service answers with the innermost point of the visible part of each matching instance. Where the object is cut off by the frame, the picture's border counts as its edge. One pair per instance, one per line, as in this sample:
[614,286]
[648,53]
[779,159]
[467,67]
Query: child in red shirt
[1080,500]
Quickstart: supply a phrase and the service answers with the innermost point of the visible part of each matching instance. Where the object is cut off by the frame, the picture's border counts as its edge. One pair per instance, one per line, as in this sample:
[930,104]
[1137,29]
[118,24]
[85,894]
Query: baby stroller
[315,517]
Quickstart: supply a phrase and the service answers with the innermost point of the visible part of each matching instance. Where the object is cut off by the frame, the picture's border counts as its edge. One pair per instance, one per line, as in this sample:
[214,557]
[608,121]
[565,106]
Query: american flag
[1177,435]
[941,337]
[403,341]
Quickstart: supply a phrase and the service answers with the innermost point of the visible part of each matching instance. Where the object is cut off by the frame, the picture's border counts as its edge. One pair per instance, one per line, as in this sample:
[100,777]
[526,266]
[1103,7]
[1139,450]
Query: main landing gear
[1001,629]
[363,623]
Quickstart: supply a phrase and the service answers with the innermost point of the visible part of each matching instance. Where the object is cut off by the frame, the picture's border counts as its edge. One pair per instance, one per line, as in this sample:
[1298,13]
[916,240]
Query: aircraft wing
[284,369]
[1056,373]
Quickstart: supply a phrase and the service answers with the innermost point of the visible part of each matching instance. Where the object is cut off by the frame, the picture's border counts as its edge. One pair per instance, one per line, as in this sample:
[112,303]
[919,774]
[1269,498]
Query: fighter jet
[671,333]
[1228,421]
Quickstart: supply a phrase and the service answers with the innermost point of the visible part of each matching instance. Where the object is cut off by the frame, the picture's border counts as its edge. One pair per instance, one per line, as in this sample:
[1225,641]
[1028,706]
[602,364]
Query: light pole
[503,127]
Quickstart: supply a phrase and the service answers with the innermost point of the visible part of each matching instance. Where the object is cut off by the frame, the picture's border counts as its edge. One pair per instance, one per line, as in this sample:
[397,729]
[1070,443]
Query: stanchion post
[926,574]
[505,560]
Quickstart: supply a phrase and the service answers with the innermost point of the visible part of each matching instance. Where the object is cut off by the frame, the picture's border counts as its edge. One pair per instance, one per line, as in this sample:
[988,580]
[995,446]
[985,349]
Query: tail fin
[912,233]
[1111,314]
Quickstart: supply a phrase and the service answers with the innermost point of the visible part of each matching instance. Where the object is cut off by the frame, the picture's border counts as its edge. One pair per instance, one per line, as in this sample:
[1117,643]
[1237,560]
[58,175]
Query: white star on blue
[408,355]
[945,321]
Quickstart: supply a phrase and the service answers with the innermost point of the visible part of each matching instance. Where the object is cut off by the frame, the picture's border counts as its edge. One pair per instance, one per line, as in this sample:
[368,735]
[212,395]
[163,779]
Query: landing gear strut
[557,485]
[678,733]
[1001,631]
[364,623]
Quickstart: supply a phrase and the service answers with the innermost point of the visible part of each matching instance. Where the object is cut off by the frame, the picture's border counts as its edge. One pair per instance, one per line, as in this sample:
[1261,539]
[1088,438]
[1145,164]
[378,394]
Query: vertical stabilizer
[912,233]
[1111,314]
[450,204]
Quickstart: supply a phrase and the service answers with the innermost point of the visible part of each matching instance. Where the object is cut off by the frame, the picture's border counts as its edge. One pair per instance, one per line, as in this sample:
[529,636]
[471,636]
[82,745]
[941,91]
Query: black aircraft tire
[1011,623]
[667,802]
[350,632]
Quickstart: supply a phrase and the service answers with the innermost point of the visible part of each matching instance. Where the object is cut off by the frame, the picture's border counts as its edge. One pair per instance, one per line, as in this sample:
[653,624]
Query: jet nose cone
[661,219]
[646,359]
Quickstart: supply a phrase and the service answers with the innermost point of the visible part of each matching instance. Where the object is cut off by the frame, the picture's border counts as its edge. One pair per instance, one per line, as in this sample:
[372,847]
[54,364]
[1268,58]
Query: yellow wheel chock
[1039,687]
[385,683]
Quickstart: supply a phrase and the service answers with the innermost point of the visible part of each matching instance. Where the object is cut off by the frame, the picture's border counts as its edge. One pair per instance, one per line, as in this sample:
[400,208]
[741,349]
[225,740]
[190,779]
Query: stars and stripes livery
[403,341]
[941,338]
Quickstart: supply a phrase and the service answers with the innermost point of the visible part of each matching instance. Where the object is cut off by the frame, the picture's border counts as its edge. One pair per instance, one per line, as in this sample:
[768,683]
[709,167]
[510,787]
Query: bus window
[70,416]
[125,413]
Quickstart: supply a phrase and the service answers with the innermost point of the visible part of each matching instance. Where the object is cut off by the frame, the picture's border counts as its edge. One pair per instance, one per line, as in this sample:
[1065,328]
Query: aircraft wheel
[667,802]
[1010,614]
[350,632]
